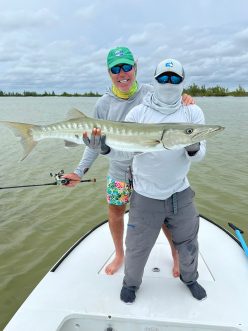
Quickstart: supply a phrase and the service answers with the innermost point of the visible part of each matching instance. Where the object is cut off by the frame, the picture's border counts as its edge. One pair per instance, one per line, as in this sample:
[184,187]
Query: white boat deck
[78,295]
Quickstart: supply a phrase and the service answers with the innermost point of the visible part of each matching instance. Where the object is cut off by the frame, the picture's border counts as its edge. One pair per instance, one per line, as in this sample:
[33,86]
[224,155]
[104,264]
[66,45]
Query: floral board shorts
[118,193]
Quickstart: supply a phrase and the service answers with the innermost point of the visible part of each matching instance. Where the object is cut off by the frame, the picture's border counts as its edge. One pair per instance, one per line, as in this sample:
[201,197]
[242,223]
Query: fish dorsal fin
[75,113]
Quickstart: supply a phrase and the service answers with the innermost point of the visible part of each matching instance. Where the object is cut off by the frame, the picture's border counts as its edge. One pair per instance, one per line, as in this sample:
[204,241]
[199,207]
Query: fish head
[179,135]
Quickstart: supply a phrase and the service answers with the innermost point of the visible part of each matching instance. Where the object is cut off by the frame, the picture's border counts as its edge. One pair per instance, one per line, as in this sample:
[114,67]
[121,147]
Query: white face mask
[168,94]
[166,98]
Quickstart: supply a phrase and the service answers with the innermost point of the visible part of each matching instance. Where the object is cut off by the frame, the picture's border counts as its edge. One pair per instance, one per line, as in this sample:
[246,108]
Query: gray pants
[146,217]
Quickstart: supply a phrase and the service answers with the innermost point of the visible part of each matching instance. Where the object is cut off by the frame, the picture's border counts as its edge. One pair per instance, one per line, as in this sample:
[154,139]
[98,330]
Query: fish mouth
[209,132]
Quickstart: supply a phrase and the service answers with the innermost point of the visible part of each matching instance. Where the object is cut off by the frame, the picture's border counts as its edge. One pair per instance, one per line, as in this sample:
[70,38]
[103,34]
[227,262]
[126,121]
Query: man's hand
[187,100]
[97,141]
[74,179]
[193,149]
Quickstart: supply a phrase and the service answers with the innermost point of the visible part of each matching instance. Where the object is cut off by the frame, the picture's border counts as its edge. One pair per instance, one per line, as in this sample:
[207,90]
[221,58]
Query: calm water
[37,225]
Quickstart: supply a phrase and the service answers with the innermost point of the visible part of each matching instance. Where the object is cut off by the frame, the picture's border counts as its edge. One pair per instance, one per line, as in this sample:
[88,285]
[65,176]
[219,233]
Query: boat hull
[77,294]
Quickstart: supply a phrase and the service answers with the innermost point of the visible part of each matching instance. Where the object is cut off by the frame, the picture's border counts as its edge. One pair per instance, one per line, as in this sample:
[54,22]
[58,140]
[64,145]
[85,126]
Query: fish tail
[23,131]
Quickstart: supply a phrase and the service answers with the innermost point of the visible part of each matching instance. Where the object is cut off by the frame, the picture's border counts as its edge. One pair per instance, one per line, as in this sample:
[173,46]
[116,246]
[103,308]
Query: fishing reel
[59,180]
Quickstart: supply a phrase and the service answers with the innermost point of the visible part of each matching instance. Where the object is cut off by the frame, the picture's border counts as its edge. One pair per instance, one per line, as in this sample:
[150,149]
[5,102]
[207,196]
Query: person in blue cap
[124,94]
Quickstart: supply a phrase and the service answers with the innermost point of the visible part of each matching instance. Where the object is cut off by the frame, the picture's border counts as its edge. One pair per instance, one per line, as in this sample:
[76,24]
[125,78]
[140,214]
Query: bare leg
[116,225]
[174,252]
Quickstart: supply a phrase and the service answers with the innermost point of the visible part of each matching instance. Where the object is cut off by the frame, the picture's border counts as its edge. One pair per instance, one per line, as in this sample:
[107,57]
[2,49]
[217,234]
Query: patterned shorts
[118,193]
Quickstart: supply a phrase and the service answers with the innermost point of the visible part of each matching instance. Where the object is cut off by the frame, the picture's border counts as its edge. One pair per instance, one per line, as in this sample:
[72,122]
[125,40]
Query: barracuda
[124,136]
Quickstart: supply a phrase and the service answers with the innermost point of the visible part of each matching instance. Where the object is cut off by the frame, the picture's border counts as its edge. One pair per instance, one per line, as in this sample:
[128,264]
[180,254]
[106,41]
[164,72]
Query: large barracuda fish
[124,136]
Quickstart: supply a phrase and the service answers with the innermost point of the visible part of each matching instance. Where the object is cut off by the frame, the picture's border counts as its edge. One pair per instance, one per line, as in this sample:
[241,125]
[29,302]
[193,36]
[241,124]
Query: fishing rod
[59,180]
[240,237]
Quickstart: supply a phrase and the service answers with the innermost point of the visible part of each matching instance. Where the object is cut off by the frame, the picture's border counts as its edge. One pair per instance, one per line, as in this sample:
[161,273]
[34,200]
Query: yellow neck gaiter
[125,95]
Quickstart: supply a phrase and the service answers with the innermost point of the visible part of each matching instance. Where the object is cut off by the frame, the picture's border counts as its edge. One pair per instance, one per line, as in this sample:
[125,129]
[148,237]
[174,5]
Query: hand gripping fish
[124,136]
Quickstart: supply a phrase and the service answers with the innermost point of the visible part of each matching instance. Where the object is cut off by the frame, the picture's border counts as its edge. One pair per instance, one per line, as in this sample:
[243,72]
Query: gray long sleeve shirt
[110,107]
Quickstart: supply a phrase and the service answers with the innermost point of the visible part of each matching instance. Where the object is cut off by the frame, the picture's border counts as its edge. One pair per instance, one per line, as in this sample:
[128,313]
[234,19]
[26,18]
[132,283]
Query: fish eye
[189,131]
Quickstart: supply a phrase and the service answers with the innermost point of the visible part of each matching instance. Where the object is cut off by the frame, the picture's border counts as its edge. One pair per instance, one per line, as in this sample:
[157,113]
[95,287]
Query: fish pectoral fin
[75,113]
[70,144]
[152,143]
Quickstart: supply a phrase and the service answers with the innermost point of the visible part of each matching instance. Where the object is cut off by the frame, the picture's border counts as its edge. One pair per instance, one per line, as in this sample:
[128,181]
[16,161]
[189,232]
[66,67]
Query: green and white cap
[169,65]
[119,55]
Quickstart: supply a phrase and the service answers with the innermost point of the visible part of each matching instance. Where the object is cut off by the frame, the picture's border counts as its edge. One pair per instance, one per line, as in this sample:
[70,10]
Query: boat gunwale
[60,261]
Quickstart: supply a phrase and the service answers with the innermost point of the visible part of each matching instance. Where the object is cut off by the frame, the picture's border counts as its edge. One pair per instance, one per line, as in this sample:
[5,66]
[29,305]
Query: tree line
[193,90]
[47,94]
[216,91]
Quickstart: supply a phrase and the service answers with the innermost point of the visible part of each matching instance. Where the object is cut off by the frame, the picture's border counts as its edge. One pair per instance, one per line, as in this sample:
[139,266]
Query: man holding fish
[164,105]
[162,193]
[115,105]
[170,135]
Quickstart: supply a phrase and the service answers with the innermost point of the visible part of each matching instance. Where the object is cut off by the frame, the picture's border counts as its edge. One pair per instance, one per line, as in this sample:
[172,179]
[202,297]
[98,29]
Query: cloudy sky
[62,45]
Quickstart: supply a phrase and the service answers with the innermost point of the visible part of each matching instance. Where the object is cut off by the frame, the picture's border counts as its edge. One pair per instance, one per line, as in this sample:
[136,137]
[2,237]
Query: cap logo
[119,53]
[169,64]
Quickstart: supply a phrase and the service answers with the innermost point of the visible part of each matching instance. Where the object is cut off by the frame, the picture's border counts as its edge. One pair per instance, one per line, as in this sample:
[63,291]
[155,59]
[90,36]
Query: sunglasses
[172,79]
[117,69]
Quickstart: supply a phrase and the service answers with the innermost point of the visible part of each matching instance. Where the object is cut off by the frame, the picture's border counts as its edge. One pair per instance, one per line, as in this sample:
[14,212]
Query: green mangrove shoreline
[193,90]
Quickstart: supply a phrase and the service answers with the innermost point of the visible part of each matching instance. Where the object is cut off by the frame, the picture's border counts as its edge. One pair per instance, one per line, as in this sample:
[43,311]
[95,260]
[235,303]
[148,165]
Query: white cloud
[23,19]
[138,39]
[66,44]
[86,13]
